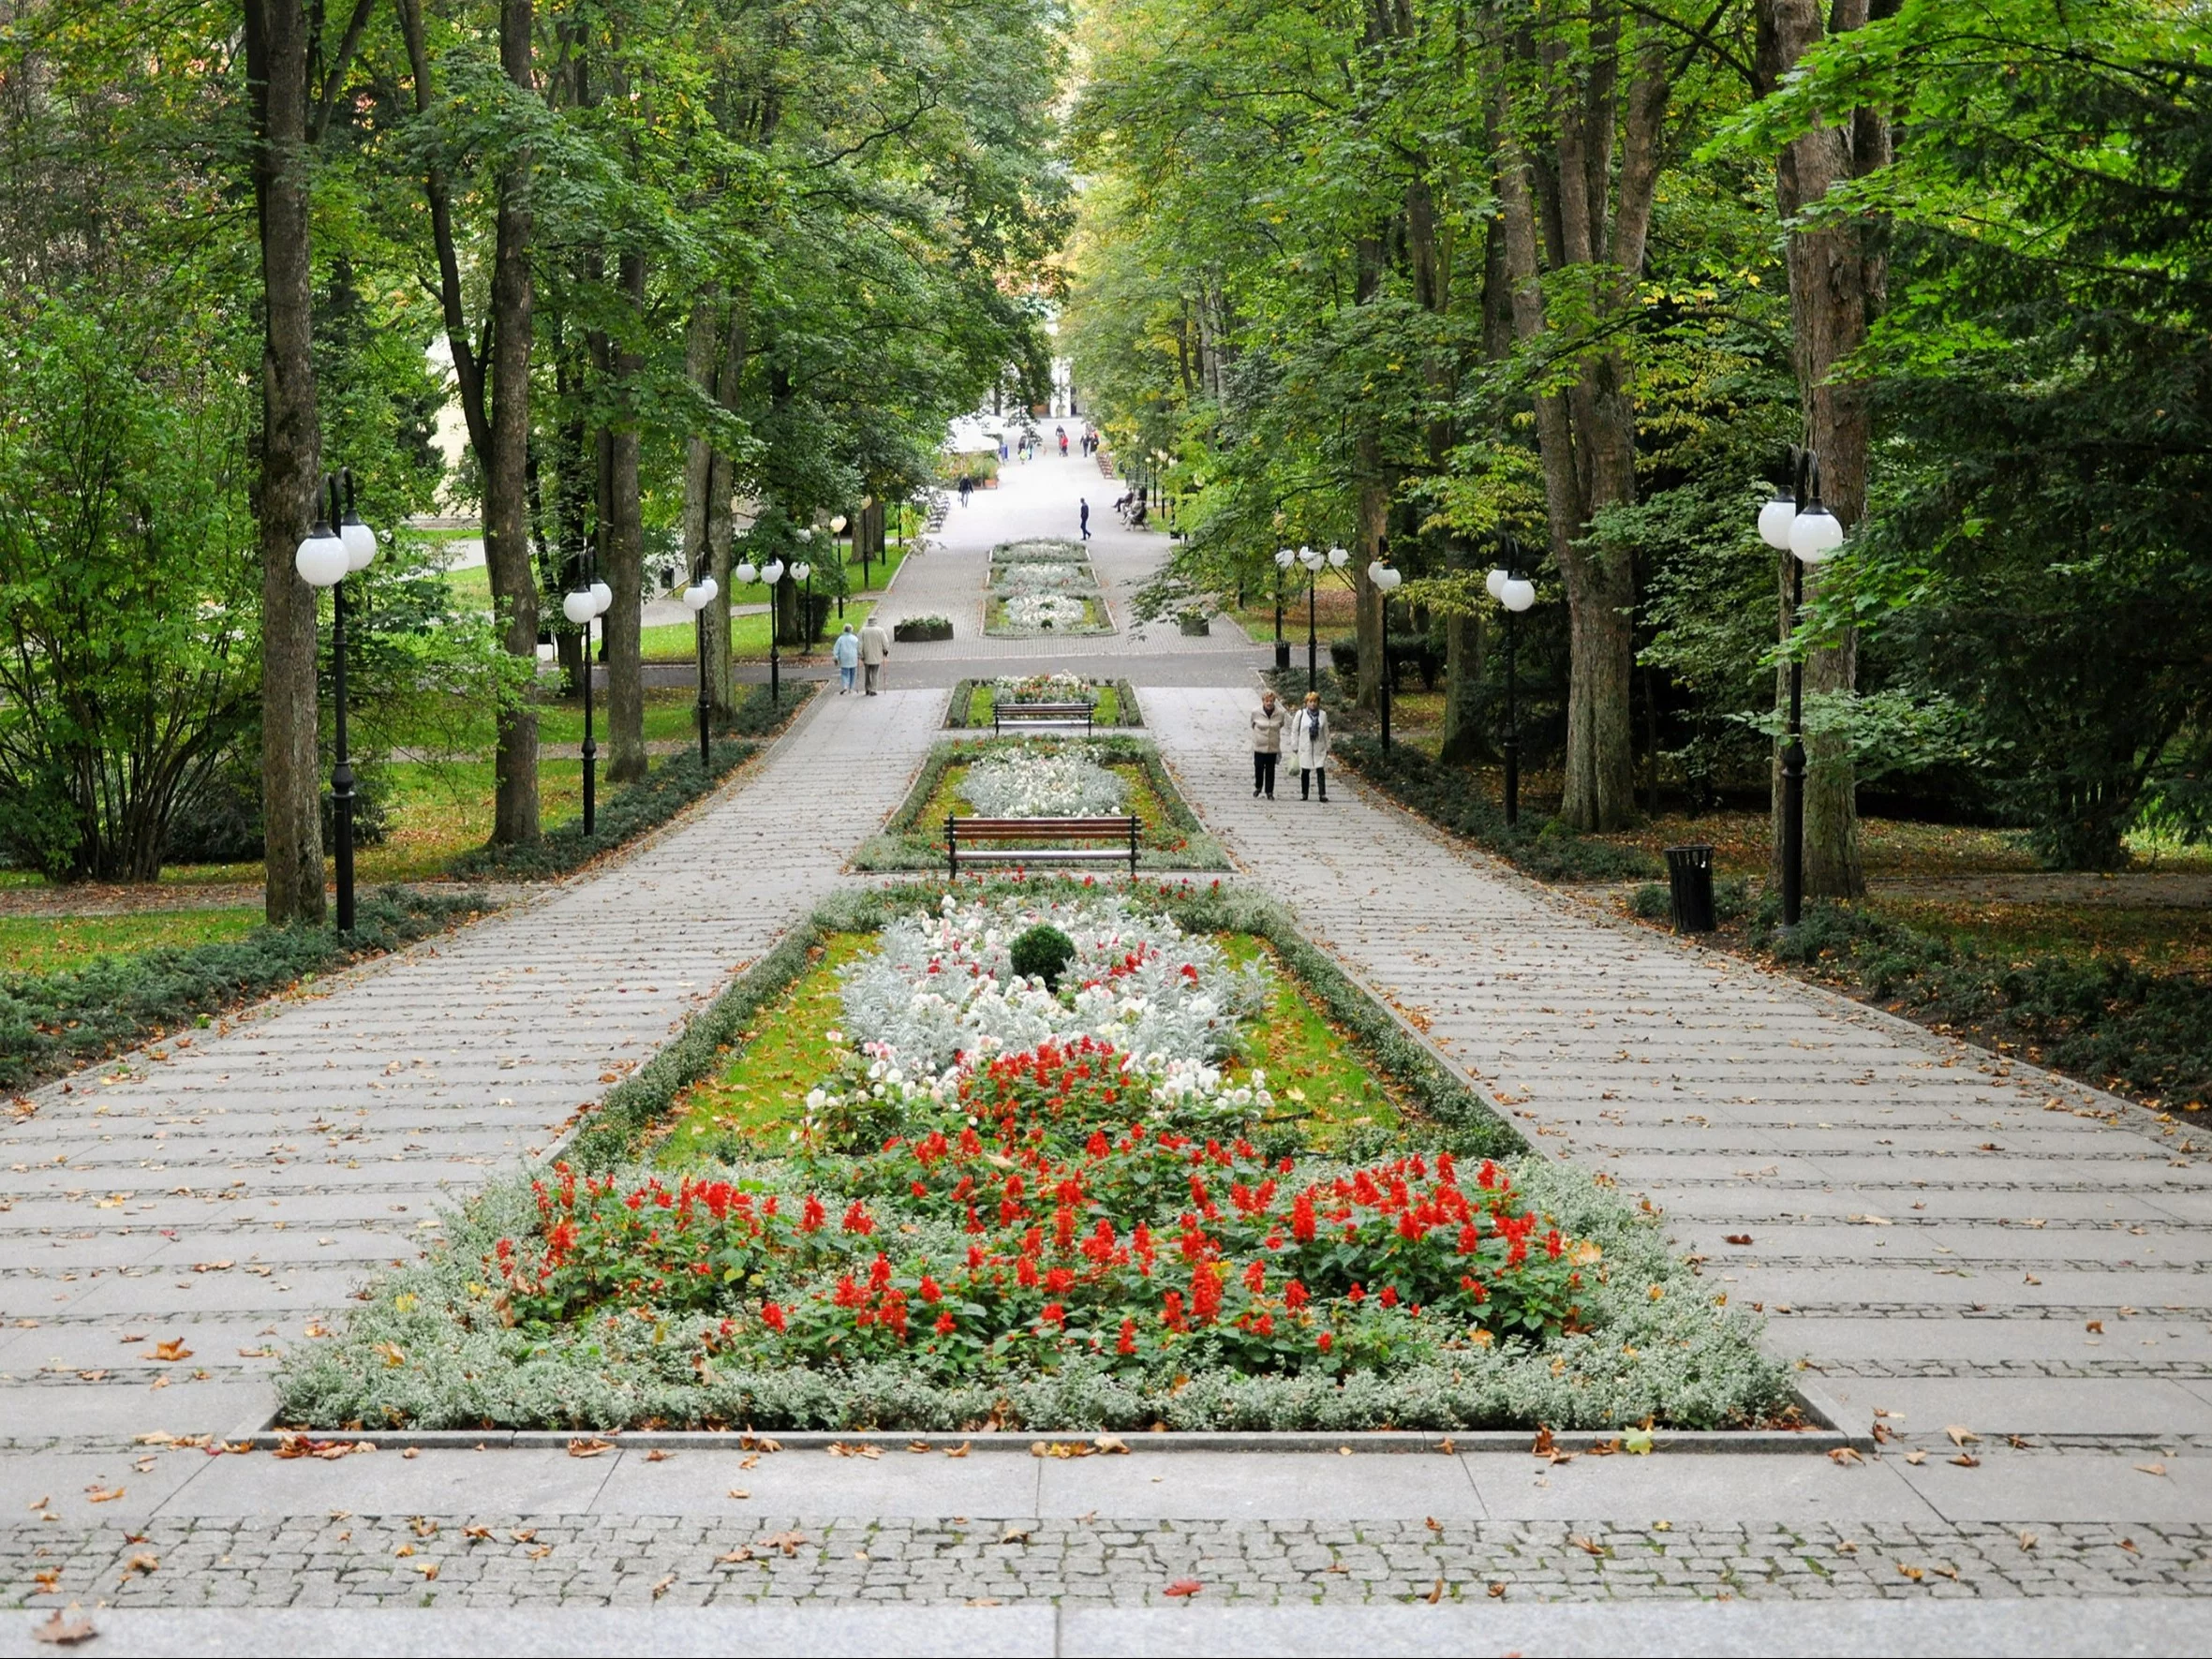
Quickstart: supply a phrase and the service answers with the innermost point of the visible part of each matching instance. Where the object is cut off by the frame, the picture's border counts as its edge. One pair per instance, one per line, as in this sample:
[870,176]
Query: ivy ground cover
[1071,1200]
[1169,836]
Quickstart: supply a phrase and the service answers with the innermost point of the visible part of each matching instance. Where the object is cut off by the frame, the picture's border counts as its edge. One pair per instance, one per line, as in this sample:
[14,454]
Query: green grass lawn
[760,1095]
[678,641]
[41,944]
[442,809]
[752,1106]
[671,711]
[471,588]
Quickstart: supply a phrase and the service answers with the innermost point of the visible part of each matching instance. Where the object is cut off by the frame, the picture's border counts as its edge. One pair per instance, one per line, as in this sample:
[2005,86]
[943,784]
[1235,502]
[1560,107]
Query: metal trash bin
[1689,878]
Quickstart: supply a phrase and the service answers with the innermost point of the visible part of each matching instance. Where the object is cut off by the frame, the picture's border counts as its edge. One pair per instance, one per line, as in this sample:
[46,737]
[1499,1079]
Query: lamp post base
[1282,655]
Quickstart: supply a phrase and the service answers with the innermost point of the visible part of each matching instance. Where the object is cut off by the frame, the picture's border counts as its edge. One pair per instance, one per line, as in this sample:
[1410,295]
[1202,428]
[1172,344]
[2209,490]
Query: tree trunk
[506,482]
[1838,280]
[1570,208]
[292,783]
[626,555]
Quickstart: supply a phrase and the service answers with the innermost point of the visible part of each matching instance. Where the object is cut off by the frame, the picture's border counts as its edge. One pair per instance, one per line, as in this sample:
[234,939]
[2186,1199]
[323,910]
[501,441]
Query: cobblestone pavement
[169,1221]
[337,1559]
[1951,1237]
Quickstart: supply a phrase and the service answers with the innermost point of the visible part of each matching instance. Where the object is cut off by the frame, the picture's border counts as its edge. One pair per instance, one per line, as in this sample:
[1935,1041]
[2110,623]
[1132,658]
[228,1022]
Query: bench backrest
[1058,711]
[1040,829]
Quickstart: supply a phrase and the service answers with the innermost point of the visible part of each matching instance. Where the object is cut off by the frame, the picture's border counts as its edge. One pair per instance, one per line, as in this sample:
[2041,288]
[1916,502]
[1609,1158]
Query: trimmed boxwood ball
[1044,952]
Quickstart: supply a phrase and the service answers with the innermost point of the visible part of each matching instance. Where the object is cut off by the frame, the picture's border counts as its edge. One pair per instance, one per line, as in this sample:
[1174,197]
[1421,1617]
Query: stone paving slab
[1723,1628]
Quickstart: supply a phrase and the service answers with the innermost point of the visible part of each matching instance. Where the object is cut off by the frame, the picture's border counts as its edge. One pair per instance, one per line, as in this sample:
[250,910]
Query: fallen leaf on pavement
[1959,1433]
[1587,1546]
[1916,1459]
[2028,1540]
[140,1564]
[1915,1574]
[95,1495]
[741,1553]
[1843,1454]
[740,1492]
[1112,1446]
[172,1350]
[658,1455]
[2152,1468]
[957,1451]
[1016,1535]
[786,1542]
[1967,1460]
[1498,1592]
[589,1448]
[1436,1595]
[64,1629]
[1739,1238]
[1184,1587]
[662,1587]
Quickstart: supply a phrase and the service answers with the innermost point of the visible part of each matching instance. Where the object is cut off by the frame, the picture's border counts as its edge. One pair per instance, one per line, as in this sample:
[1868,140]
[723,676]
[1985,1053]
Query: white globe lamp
[1496,581]
[1815,534]
[1517,593]
[602,598]
[579,607]
[322,561]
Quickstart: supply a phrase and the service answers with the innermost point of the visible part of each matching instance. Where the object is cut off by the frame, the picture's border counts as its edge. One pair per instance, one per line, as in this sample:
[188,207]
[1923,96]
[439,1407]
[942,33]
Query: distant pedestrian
[846,654]
[1064,446]
[1083,515]
[1309,743]
[1267,745]
[966,488]
[875,650]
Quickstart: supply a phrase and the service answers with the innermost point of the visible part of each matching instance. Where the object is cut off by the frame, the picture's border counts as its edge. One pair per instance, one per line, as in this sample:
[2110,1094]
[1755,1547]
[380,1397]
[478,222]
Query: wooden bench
[994,833]
[1041,713]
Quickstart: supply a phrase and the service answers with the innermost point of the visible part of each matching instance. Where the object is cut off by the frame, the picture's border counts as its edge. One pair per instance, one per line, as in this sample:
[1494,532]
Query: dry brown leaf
[1587,1546]
[2152,1468]
[1967,1460]
[2028,1540]
[1184,1587]
[1960,1434]
[589,1448]
[427,1568]
[49,1579]
[1447,1446]
[1436,1595]
[109,1495]
[1112,1444]
[405,1549]
[1843,1454]
[742,1553]
[476,1532]
[658,1455]
[1739,1238]
[740,1492]
[2096,1325]
[1434,1525]
[1916,1459]
[919,1447]
[1498,1592]
[523,1534]
[64,1629]
[957,1451]
[140,1564]
[542,1552]
[983,1601]
[173,1349]
[1015,1535]
[662,1587]
[1915,1574]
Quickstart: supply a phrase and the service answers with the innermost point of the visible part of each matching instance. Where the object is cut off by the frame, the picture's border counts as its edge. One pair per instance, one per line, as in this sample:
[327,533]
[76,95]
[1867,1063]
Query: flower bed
[1060,1237]
[1062,781]
[1113,703]
[1044,586]
[1170,836]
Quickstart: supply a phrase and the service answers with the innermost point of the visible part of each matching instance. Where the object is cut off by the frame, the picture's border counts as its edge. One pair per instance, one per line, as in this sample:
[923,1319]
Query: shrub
[2102,1019]
[1453,798]
[1043,952]
[922,630]
[50,1022]
[646,805]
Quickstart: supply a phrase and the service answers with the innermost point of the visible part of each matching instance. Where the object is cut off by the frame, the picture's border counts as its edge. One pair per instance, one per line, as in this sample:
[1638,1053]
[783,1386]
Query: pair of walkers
[1308,731]
[870,648]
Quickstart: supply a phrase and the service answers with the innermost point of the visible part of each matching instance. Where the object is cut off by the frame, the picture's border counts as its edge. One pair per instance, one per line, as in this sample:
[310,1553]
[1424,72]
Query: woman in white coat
[1309,745]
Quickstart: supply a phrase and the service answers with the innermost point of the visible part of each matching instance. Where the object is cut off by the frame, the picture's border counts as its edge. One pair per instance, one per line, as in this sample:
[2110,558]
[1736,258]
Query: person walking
[875,650]
[1309,743]
[966,488]
[846,654]
[1267,745]
[1083,515]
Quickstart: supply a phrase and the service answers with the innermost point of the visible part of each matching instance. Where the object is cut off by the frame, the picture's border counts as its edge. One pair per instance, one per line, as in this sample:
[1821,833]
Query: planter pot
[1196,627]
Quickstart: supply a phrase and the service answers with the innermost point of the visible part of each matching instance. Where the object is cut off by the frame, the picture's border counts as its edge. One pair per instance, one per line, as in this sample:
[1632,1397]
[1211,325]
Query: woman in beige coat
[1267,743]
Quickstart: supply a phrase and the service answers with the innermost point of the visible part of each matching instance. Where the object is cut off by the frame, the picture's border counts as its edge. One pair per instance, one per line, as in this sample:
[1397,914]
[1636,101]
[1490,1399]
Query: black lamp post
[1283,561]
[772,573]
[582,608]
[700,595]
[1386,580]
[1515,592]
[1810,535]
[325,559]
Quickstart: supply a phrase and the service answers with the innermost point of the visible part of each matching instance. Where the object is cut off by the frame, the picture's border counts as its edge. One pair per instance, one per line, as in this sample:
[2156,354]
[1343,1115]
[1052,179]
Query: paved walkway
[225,1194]
[1951,1239]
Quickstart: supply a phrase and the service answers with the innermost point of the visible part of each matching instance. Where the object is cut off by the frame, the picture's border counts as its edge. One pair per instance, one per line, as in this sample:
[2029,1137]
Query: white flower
[1058,781]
